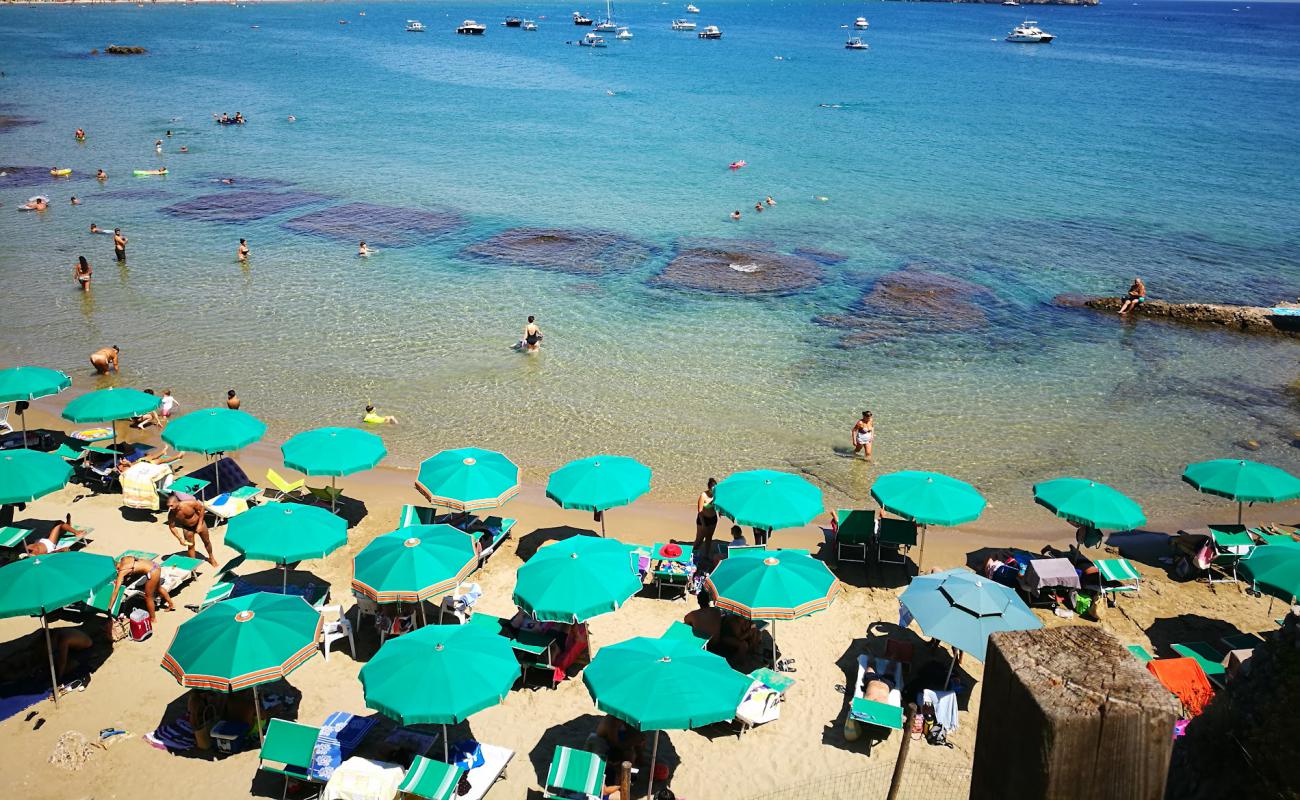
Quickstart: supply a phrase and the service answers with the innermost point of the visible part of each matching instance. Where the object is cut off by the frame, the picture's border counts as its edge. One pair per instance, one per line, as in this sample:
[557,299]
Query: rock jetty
[1247,319]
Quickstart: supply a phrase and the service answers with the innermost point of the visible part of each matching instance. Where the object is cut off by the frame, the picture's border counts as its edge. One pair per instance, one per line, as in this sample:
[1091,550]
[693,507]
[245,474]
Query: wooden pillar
[1069,714]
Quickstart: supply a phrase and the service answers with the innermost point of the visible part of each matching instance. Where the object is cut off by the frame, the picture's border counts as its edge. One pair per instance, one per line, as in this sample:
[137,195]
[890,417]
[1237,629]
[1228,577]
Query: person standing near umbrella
[105,359]
[864,434]
[706,518]
[188,517]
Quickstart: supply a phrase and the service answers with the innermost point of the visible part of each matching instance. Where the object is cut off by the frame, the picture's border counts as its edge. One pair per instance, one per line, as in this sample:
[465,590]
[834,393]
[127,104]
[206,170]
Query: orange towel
[1185,678]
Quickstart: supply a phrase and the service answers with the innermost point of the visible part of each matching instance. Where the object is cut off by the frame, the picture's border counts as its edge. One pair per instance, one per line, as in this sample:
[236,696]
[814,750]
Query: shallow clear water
[1161,139]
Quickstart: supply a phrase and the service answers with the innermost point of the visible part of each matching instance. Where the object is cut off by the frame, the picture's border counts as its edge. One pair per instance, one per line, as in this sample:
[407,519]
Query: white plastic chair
[460,603]
[334,629]
[4,419]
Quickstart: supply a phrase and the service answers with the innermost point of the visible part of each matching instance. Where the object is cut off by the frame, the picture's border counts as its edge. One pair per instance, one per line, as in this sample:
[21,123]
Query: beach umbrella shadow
[351,510]
[1185,629]
[528,544]
[578,733]
[1145,547]
[168,729]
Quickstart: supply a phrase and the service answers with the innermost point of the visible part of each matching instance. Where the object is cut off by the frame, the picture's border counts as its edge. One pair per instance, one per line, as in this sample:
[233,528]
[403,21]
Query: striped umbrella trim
[420,596]
[197,681]
[777,612]
[473,505]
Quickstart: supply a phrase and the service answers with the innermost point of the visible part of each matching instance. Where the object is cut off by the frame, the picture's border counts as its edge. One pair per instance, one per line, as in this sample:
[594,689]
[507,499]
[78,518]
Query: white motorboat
[710,32]
[683,25]
[623,33]
[414,26]
[471,28]
[861,23]
[1028,32]
[855,43]
[1010,3]
[592,40]
[579,19]
[692,9]
[529,25]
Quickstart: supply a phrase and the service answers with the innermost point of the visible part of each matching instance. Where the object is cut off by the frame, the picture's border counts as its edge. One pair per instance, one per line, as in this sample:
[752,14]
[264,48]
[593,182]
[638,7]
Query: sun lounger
[481,778]
[894,537]
[430,780]
[1116,576]
[176,571]
[222,587]
[574,775]
[886,715]
[491,531]
[282,489]
[70,454]
[15,540]
[232,504]
[1139,652]
[1186,680]
[326,495]
[1242,641]
[1210,660]
[287,750]
[416,515]
[853,529]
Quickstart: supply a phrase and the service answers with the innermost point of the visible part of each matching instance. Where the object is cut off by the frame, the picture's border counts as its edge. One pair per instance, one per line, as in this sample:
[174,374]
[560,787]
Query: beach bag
[936,735]
[1082,603]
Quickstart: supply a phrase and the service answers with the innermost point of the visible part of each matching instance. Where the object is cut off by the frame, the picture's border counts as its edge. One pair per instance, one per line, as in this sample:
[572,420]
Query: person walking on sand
[185,520]
[706,518]
[1137,293]
[82,273]
[119,244]
[105,359]
[864,434]
[243,250]
[232,400]
[168,407]
[532,335]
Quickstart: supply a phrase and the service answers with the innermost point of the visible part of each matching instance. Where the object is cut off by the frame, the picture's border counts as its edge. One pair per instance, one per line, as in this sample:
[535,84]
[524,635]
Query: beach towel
[17,697]
[140,485]
[1185,678]
[945,707]
[577,645]
[176,736]
[327,755]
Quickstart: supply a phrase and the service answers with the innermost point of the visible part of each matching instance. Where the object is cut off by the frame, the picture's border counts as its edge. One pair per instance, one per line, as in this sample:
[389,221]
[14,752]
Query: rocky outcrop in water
[1247,319]
[746,268]
[124,50]
[913,300]
[575,251]
[241,206]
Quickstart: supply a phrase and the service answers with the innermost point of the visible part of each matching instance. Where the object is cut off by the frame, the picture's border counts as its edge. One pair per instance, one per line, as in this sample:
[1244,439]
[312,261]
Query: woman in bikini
[706,519]
[50,542]
[864,433]
[130,567]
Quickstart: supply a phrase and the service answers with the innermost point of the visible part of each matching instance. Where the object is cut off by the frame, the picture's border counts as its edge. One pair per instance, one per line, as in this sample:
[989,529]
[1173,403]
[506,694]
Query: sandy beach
[804,748]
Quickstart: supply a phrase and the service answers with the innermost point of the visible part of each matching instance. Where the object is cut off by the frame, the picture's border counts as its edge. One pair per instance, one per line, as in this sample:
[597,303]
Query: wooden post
[1077,715]
[896,782]
[625,781]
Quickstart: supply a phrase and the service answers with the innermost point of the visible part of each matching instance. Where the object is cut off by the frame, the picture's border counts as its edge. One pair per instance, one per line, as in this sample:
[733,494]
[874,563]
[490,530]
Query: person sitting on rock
[1137,293]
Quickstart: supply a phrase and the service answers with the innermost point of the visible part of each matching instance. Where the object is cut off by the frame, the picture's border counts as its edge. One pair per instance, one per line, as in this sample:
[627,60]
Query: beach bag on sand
[936,735]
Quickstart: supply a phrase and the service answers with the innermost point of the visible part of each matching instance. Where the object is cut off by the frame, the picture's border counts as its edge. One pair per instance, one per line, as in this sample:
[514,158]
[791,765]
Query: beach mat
[17,697]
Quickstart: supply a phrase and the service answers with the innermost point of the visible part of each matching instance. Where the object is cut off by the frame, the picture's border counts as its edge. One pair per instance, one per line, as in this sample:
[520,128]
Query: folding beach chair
[1209,659]
[853,528]
[176,571]
[222,588]
[70,454]
[482,777]
[887,715]
[416,515]
[284,491]
[1116,576]
[896,536]
[1232,543]
[574,774]
[14,541]
[1139,652]
[327,495]
[287,750]
[430,780]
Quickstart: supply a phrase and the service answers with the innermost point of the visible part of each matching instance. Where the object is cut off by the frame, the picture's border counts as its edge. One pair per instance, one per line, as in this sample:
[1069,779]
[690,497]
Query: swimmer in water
[101,176]
[184,149]
[373,417]
[157,147]
[227,181]
[759,206]
[532,335]
[81,135]
[770,201]
[169,134]
[292,118]
[242,252]
[735,215]
[362,250]
[75,201]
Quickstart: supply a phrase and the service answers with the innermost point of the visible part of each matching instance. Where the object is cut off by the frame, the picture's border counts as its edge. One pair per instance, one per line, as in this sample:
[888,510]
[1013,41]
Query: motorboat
[692,9]
[592,40]
[513,22]
[683,25]
[855,43]
[1010,3]
[861,23]
[414,26]
[578,19]
[1028,32]
[623,33]
[471,28]
[710,32]
[529,25]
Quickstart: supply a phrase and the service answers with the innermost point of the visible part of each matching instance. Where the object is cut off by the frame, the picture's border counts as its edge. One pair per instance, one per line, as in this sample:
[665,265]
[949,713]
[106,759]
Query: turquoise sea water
[1160,139]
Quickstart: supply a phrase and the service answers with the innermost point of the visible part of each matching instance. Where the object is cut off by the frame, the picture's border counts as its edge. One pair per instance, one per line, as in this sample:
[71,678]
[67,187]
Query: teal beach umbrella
[28,384]
[41,584]
[413,564]
[598,483]
[440,674]
[1086,502]
[928,498]
[213,430]
[333,452]
[576,579]
[286,532]
[28,474]
[1243,481]
[110,405]
[664,684]
[768,500]
[1275,570]
[468,479]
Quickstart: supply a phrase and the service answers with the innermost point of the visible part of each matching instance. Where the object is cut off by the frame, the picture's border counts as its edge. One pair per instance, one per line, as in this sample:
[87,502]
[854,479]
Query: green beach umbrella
[41,584]
[576,579]
[28,474]
[286,532]
[213,430]
[782,584]
[440,674]
[767,499]
[1275,570]
[598,483]
[110,405]
[1243,481]
[413,564]
[243,642]
[664,684]
[333,452]
[468,479]
[1089,503]
[30,383]
[928,498]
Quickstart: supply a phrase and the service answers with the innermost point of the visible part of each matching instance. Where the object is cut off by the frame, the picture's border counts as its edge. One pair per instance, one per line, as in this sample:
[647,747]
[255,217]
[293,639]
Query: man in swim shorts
[1137,293]
[105,359]
[185,520]
[863,434]
[119,244]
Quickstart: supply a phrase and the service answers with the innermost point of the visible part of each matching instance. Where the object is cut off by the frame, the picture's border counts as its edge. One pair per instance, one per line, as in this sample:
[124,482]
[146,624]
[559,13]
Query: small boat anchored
[861,23]
[692,9]
[414,26]
[579,19]
[592,40]
[1028,32]
[529,25]
[471,28]
[710,32]
[513,22]
[856,43]
[683,25]
[624,34]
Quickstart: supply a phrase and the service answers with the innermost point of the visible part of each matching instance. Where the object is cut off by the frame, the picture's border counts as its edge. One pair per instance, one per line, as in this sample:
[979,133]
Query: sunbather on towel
[50,542]
[130,567]
[161,457]
[185,520]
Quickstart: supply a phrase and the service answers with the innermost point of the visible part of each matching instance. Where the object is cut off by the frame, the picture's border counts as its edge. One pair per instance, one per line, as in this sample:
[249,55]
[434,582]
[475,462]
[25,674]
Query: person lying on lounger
[130,567]
[49,543]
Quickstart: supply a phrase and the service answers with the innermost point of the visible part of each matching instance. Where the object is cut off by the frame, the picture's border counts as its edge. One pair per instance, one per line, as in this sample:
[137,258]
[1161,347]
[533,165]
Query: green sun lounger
[287,751]
[854,528]
[1242,641]
[1210,659]
[896,536]
[884,715]
[428,779]
[1140,653]
[574,774]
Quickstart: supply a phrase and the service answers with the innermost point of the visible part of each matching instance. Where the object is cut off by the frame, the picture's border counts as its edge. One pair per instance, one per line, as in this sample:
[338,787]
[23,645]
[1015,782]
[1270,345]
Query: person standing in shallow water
[532,335]
[232,400]
[119,244]
[864,435]
[82,272]
[243,250]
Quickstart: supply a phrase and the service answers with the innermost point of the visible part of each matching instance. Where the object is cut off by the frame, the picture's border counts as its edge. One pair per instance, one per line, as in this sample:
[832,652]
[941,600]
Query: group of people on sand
[758,208]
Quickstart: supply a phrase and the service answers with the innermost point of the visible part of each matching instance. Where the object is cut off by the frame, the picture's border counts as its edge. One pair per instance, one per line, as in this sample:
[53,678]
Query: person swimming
[80,134]
[101,176]
[75,201]
[373,417]
[362,250]
[735,215]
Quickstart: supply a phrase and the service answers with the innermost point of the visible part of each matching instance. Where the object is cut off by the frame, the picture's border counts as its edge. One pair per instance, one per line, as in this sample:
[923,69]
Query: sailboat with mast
[607,24]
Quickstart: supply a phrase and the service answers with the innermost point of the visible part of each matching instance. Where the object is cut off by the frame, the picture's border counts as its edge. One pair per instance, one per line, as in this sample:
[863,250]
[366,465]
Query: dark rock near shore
[124,50]
[739,268]
[1247,319]
[241,206]
[378,226]
[15,177]
[910,301]
[824,257]
[573,251]
[8,123]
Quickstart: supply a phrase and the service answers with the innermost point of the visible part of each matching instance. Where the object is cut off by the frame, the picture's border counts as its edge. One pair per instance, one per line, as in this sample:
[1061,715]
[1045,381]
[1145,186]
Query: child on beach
[373,417]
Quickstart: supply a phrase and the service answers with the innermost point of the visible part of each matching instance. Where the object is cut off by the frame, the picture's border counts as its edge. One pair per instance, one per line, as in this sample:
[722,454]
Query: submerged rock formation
[575,251]
[1248,319]
[913,300]
[241,206]
[124,50]
[739,268]
[378,226]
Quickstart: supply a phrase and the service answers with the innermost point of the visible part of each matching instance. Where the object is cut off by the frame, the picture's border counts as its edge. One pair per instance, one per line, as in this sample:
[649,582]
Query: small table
[188,485]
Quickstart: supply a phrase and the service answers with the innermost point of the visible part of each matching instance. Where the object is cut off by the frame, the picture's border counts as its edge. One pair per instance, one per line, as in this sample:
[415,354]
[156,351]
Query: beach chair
[222,587]
[416,515]
[873,713]
[327,495]
[287,750]
[176,572]
[1139,652]
[14,541]
[336,629]
[4,419]
[460,603]
[574,774]
[70,453]
[481,778]
[1242,641]
[430,780]
[1204,654]
[853,529]
[284,491]
[1231,544]
[681,632]
[232,504]
[1116,576]
[895,537]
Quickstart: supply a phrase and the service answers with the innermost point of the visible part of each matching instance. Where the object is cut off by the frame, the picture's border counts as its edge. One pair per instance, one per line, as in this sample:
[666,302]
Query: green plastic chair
[895,536]
[854,528]
[287,751]
[574,774]
[430,780]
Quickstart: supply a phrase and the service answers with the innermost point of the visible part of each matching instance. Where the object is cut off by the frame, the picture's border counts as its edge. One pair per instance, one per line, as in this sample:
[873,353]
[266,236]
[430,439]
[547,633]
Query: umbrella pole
[114,424]
[24,416]
[216,471]
[334,496]
[423,616]
[921,558]
[284,578]
[1239,505]
[257,709]
[446,748]
[49,649]
[951,667]
[773,644]
[654,758]
[602,524]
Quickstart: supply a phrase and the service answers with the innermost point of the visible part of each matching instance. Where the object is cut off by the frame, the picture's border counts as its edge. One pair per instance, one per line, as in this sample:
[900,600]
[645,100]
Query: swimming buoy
[162,171]
[59,173]
[738,164]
